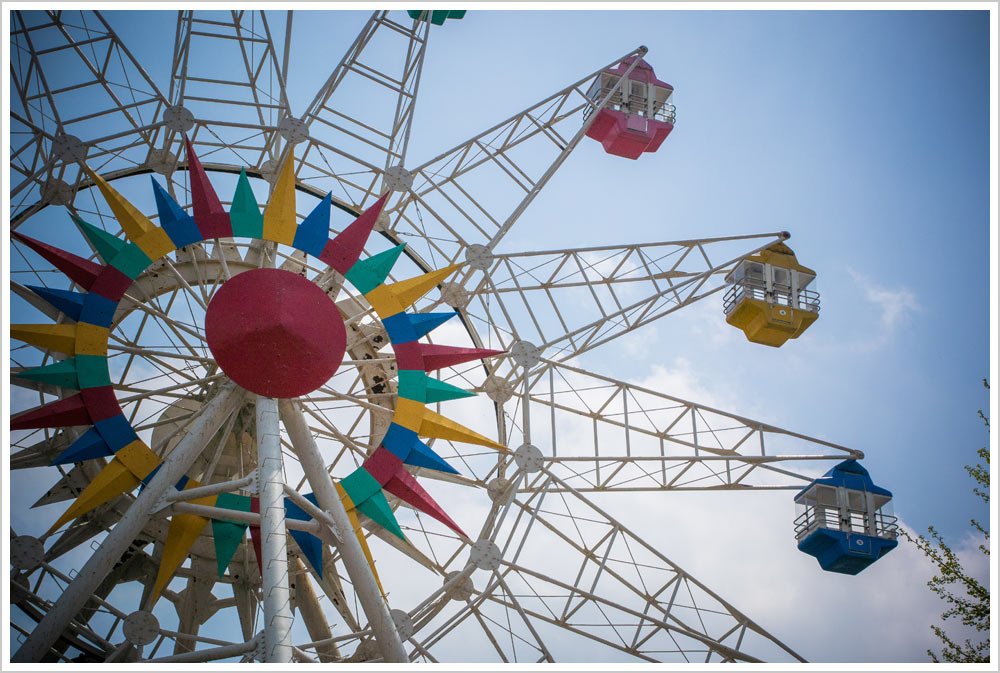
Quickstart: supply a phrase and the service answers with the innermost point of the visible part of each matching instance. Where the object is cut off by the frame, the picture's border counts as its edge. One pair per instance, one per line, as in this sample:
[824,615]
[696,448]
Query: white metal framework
[546,564]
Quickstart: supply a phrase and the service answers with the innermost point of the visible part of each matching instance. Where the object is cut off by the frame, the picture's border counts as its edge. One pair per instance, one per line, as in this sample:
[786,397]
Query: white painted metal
[274,539]
[131,524]
[643,440]
[368,591]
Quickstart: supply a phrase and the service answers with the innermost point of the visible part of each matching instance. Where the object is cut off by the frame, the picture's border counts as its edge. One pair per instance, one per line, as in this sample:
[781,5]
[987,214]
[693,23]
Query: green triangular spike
[377,509]
[439,391]
[107,245]
[228,534]
[368,274]
[62,374]
[244,214]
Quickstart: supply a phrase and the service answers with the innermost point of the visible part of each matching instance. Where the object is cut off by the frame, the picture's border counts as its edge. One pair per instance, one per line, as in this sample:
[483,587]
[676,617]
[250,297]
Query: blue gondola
[845,520]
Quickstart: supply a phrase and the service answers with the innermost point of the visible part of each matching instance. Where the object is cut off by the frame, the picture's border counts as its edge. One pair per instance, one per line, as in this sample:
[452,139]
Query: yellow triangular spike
[352,514]
[279,215]
[130,218]
[181,536]
[409,291]
[59,338]
[437,426]
[110,482]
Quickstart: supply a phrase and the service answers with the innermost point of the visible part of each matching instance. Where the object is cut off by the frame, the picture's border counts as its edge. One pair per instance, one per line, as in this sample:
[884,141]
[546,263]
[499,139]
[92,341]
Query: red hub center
[275,333]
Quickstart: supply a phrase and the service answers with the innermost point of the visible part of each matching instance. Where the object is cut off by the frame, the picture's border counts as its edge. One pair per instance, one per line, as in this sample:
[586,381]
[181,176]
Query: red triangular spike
[438,357]
[382,465]
[70,411]
[404,486]
[81,271]
[211,218]
[255,533]
[343,251]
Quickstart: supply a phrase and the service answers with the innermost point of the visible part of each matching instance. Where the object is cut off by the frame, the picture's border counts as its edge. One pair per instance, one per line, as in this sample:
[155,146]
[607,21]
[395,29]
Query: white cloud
[894,305]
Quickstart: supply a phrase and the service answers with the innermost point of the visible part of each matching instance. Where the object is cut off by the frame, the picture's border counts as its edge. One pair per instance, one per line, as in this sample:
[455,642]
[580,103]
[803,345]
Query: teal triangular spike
[439,391]
[107,245]
[244,214]
[425,322]
[377,509]
[368,274]
[418,386]
[229,534]
[62,374]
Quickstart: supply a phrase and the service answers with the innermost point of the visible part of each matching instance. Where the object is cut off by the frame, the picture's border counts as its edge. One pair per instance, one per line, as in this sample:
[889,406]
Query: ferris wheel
[290,403]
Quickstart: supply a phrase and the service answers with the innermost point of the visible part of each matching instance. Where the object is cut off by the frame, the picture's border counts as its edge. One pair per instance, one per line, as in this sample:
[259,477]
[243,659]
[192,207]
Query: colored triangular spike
[377,509]
[229,534]
[343,252]
[310,545]
[69,411]
[59,338]
[368,274]
[180,226]
[81,271]
[439,391]
[184,530]
[409,291]
[255,535]
[90,445]
[106,244]
[244,213]
[279,214]
[113,480]
[423,323]
[168,209]
[438,357]
[352,515]
[406,327]
[360,485]
[418,386]
[422,455]
[211,218]
[67,301]
[130,218]
[62,374]
[437,426]
[405,487]
[314,231]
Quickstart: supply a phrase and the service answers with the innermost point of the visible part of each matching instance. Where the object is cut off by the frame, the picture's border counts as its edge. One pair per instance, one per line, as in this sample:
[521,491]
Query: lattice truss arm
[359,122]
[72,78]
[618,592]
[475,192]
[228,75]
[602,434]
[567,302]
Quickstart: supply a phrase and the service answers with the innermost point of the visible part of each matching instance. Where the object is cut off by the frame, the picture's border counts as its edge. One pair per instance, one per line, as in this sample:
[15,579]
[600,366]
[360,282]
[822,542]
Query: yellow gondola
[768,298]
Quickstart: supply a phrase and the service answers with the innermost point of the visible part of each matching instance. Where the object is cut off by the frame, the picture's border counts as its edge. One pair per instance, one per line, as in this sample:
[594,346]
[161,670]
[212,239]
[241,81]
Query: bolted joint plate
[485,555]
[526,354]
[26,553]
[529,458]
[141,627]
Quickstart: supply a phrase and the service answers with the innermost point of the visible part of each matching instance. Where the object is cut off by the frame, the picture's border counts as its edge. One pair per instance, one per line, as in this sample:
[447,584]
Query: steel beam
[365,586]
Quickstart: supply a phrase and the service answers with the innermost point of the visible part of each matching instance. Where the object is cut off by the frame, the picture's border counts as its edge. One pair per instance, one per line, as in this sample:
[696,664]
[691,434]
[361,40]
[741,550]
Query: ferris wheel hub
[275,333]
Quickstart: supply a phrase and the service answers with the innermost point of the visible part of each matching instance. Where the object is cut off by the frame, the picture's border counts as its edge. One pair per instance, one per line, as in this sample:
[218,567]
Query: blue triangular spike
[144,482]
[180,227]
[425,322]
[310,545]
[90,445]
[67,301]
[422,455]
[169,210]
[314,231]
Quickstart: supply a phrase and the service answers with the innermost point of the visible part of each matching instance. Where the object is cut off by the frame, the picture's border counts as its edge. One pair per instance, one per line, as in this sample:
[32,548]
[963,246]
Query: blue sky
[863,133]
